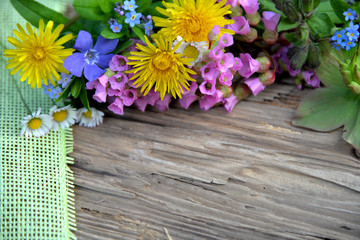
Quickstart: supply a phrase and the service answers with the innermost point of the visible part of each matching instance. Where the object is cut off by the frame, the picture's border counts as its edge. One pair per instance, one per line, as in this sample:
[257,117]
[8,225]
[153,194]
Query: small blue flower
[350,14]
[116,27]
[130,5]
[348,44]
[133,18]
[65,80]
[337,46]
[148,27]
[339,36]
[51,91]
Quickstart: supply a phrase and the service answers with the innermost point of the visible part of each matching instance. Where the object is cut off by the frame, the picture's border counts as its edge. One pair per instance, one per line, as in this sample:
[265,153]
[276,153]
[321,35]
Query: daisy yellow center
[192,20]
[160,68]
[60,116]
[38,54]
[34,123]
[87,114]
[191,52]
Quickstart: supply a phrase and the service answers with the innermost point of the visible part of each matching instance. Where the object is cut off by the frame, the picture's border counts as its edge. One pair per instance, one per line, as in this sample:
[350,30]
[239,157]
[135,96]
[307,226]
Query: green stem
[21,96]
[16,86]
[71,21]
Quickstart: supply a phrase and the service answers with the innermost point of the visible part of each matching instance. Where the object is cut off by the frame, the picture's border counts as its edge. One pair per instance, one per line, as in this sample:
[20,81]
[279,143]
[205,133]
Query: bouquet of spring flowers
[149,53]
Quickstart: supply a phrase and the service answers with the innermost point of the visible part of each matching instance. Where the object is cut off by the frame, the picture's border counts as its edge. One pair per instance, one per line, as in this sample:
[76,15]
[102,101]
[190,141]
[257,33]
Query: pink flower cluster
[115,88]
[282,62]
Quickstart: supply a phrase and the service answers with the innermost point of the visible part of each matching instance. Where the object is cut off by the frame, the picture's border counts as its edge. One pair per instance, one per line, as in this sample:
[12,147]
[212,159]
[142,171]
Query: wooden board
[210,175]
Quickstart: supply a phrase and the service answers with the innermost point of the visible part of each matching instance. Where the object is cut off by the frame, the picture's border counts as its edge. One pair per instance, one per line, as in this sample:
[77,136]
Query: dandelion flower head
[38,54]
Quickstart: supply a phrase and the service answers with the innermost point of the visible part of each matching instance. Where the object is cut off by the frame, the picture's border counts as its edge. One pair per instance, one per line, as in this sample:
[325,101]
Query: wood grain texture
[210,175]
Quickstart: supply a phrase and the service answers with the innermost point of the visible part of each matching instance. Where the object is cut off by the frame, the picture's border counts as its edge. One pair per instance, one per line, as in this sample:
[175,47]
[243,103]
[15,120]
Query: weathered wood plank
[209,175]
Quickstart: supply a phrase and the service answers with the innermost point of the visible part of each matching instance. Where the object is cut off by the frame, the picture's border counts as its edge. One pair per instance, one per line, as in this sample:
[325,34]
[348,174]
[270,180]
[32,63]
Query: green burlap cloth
[36,189]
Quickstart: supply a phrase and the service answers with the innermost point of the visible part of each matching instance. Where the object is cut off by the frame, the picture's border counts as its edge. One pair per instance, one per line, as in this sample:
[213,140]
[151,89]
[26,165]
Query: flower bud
[241,91]
[226,90]
[298,56]
[268,77]
[314,57]
[250,37]
[270,37]
[236,11]
[290,11]
[253,19]
[355,87]
[265,64]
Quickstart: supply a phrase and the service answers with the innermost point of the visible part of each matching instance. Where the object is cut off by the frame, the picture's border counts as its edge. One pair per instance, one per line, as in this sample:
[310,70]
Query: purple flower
[270,20]
[215,31]
[226,40]
[240,26]
[250,65]
[129,96]
[255,85]
[237,64]
[117,81]
[163,105]
[230,102]
[209,71]
[65,80]
[189,96]
[216,53]
[118,63]
[208,87]
[132,18]
[93,60]
[117,106]
[311,78]
[226,62]
[208,101]
[150,98]
[226,78]
[100,93]
[250,6]
[232,3]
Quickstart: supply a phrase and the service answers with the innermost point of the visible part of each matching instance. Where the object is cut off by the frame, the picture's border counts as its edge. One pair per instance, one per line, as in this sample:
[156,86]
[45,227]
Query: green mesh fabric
[36,196]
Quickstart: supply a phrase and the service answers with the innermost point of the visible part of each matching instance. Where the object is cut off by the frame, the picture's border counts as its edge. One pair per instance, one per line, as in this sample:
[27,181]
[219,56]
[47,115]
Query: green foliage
[339,7]
[139,32]
[320,25]
[336,105]
[89,9]
[33,11]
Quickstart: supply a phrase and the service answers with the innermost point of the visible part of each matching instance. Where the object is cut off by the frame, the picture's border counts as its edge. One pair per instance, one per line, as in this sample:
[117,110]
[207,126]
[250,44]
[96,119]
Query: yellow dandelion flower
[160,66]
[39,55]
[192,19]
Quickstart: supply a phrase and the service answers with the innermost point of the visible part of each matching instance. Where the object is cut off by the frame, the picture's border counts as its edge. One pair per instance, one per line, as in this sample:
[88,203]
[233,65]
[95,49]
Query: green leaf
[325,7]
[352,126]
[339,7]
[285,24]
[64,94]
[76,87]
[268,5]
[89,9]
[122,46]
[320,25]
[107,5]
[83,96]
[143,5]
[324,109]
[151,10]
[328,71]
[139,32]
[109,34]
[33,11]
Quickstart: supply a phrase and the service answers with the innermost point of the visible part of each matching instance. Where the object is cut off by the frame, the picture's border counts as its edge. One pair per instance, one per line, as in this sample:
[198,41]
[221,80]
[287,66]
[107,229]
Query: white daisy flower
[91,118]
[193,50]
[63,117]
[36,124]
